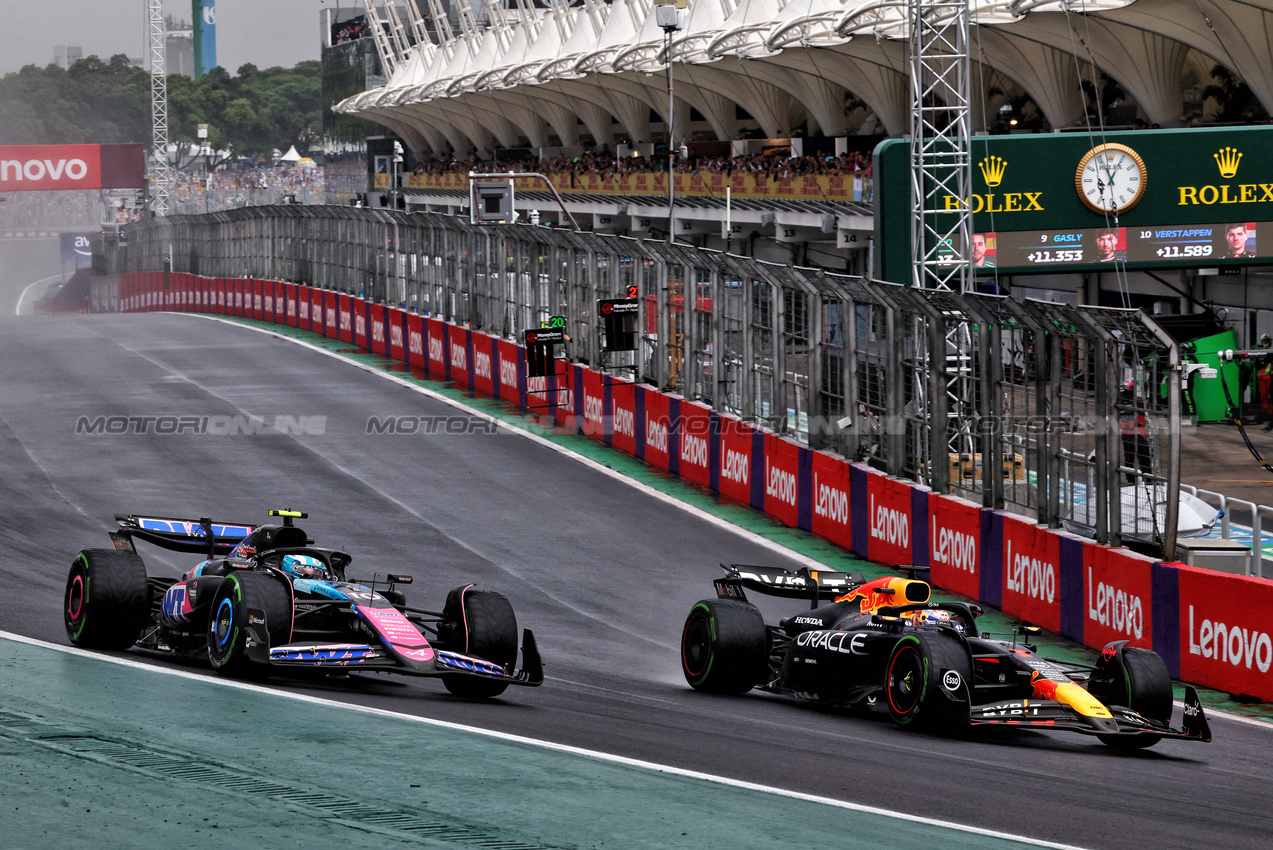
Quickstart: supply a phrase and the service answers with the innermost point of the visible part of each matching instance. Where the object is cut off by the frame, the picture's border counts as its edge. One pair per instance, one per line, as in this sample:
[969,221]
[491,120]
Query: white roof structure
[535,76]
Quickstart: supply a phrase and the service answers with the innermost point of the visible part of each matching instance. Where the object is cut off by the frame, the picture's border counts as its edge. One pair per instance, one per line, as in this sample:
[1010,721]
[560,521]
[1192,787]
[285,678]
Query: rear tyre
[927,680]
[1138,679]
[479,623]
[107,600]
[227,624]
[724,647]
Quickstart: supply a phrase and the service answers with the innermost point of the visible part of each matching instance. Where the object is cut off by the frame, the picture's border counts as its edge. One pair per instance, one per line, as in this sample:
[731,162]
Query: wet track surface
[603,573]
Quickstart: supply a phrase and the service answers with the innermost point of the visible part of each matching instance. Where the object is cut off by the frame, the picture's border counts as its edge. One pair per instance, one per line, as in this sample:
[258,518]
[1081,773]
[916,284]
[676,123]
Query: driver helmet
[303,566]
[931,618]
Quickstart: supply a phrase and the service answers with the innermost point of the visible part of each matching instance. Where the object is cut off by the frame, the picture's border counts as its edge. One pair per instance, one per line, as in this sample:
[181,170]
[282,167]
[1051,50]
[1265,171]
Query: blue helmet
[304,566]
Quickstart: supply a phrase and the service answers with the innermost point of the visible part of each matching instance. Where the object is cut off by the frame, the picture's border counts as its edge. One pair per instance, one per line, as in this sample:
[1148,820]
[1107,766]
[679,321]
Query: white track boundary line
[535,742]
[699,513]
[17,310]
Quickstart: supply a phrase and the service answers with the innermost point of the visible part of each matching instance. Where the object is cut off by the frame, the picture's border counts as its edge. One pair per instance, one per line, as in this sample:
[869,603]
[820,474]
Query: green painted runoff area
[96,754]
[673,485]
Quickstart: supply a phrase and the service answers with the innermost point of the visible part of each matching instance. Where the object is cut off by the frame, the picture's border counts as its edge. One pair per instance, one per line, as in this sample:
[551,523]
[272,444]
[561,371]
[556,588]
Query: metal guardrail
[1062,413]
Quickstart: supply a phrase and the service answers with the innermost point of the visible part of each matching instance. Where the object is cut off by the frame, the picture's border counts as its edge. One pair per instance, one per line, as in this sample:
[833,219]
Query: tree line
[97,102]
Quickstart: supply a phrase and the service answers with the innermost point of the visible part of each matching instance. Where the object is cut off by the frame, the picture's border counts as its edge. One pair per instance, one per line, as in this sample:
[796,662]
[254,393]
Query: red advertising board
[483,367]
[35,168]
[435,333]
[345,317]
[327,322]
[695,453]
[379,335]
[889,525]
[1031,573]
[457,350]
[657,427]
[623,416]
[565,387]
[415,341]
[289,296]
[509,373]
[220,291]
[258,299]
[831,507]
[1225,631]
[267,309]
[1118,595]
[236,287]
[397,338]
[358,309]
[954,542]
[782,480]
[594,420]
[735,459]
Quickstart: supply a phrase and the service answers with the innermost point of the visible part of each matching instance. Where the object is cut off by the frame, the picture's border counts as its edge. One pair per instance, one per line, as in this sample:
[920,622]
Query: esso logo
[951,680]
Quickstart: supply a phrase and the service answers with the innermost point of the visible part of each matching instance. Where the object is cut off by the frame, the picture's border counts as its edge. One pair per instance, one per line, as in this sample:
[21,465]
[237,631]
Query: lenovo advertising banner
[415,341]
[832,518]
[1031,573]
[358,309]
[734,447]
[1118,594]
[38,168]
[782,480]
[512,377]
[623,415]
[345,306]
[458,350]
[1224,630]
[954,544]
[889,526]
[695,456]
[658,427]
[435,336]
[484,375]
[594,404]
[395,321]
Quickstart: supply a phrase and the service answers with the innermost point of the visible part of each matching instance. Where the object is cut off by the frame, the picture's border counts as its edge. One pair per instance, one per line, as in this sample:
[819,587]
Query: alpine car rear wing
[197,536]
[814,585]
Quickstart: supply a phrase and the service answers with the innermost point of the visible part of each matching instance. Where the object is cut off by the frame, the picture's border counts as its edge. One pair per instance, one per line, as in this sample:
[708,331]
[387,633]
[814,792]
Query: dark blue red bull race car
[264,599]
[887,645]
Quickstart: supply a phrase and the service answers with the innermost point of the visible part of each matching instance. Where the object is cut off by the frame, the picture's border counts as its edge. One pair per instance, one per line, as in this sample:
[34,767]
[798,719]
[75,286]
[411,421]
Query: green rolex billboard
[1089,202]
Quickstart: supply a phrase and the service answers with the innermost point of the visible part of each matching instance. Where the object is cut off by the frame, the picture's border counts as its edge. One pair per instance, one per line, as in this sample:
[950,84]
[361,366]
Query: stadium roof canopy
[529,76]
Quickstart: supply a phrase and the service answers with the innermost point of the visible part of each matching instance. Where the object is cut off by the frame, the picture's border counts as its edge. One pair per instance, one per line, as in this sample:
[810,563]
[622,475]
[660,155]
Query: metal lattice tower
[941,229]
[941,157]
[159,168]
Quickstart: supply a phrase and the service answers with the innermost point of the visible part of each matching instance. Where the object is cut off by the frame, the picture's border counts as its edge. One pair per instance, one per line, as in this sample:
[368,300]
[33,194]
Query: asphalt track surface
[602,572]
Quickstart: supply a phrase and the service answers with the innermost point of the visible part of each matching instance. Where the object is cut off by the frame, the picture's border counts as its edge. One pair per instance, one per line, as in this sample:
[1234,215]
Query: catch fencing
[1068,415]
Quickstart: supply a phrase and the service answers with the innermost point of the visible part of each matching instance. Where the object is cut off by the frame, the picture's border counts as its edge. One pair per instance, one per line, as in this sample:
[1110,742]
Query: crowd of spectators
[231,187]
[778,165]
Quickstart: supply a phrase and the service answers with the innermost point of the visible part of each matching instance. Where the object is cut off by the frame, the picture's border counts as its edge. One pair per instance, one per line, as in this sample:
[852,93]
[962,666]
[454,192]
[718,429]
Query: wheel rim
[696,654]
[75,596]
[223,625]
[905,681]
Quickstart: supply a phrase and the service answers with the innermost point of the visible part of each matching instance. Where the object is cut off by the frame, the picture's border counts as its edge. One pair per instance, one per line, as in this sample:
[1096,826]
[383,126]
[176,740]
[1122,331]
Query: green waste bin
[1210,403]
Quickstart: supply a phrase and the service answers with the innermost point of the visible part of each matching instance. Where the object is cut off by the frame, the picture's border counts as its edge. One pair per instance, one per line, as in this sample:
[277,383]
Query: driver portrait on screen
[1235,237]
[979,258]
[1107,246]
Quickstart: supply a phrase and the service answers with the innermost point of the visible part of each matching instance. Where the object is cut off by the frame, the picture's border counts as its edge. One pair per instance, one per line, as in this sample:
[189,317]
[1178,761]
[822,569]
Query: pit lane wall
[1211,628]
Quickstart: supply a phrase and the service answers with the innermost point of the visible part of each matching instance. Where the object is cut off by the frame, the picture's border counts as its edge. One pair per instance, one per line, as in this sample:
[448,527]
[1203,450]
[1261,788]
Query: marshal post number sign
[1086,202]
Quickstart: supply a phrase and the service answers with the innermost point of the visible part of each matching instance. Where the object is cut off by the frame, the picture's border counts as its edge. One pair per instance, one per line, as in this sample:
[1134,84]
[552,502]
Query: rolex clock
[1111,178]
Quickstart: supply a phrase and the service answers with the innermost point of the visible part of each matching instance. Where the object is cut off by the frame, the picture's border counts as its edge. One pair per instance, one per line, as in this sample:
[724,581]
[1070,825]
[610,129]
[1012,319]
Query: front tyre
[927,680]
[479,623]
[724,647]
[107,600]
[1138,679]
[241,592]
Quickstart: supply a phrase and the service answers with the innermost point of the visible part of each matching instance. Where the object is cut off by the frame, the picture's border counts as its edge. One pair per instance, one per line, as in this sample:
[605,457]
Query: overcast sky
[263,32]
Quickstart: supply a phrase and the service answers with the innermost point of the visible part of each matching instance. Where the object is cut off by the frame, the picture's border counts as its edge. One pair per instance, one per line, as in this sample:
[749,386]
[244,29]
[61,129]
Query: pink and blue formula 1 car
[266,600]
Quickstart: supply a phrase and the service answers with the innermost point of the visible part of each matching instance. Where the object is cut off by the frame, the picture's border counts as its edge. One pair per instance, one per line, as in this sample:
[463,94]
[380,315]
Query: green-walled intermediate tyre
[107,600]
[724,647]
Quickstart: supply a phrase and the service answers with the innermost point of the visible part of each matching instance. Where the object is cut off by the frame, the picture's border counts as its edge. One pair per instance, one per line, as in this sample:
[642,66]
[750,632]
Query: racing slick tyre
[479,623]
[724,647]
[241,591]
[1138,679]
[107,599]
[927,681]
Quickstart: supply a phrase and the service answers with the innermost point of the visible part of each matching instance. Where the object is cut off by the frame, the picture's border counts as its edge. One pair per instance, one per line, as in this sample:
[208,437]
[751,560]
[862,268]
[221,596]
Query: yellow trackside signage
[1228,159]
